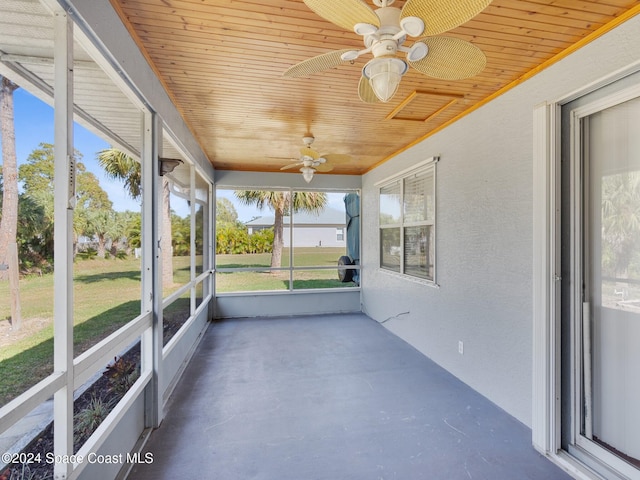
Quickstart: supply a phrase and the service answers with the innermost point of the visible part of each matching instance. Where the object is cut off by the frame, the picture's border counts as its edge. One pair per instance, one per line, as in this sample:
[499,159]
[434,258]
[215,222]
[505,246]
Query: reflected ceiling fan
[311,161]
[385,30]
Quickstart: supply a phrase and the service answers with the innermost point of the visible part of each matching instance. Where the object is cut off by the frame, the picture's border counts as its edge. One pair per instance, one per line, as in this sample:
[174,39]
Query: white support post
[192,237]
[546,280]
[292,219]
[152,266]
[64,203]
[211,245]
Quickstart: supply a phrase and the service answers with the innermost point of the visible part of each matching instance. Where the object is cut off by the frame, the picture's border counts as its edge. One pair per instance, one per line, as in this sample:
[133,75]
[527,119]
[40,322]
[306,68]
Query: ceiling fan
[311,161]
[385,30]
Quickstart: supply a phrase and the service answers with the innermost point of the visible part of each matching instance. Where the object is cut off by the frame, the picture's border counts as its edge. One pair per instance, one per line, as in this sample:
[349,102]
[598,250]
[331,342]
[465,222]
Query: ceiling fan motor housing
[389,20]
[382,42]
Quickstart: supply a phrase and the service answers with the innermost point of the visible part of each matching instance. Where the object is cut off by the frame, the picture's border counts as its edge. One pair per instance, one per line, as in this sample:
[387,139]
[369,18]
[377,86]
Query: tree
[282,203]
[99,224]
[119,165]
[122,227]
[93,215]
[225,211]
[35,236]
[9,221]
[37,177]
[180,234]
[133,229]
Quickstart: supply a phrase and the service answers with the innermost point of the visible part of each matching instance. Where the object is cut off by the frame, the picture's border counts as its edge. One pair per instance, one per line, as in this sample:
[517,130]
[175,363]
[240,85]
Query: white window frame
[426,166]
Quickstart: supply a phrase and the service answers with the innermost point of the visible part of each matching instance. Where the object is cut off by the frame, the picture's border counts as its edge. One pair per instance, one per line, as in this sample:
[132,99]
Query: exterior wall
[484,232]
[314,237]
[282,304]
[124,439]
[177,354]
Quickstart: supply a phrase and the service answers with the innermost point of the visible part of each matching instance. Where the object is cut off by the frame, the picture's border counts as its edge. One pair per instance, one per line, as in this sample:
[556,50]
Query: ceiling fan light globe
[413,26]
[365,29]
[417,52]
[384,76]
[307,173]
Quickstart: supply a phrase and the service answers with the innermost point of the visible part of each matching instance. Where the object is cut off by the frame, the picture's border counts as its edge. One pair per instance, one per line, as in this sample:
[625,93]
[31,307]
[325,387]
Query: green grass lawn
[106,296]
[279,280]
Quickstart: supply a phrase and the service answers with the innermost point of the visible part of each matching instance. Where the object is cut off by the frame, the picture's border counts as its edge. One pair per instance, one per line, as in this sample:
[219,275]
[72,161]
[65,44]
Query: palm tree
[282,203]
[100,224]
[119,165]
[9,221]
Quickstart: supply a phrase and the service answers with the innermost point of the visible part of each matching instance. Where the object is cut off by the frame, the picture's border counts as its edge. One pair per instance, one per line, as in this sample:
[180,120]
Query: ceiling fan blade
[309,152]
[292,165]
[337,158]
[344,13]
[324,167]
[442,15]
[365,92]
[450,59]
[316,64]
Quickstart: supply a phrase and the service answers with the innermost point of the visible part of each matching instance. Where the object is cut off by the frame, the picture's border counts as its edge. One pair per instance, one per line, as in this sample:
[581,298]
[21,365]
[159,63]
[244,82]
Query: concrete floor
[330,397]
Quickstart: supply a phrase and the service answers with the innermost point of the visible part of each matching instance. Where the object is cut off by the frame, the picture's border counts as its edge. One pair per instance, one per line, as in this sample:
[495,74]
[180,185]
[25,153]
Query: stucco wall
[484,232]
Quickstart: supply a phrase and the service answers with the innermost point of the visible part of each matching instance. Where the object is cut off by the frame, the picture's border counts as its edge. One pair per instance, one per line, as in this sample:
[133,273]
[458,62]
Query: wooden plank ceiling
[222,62]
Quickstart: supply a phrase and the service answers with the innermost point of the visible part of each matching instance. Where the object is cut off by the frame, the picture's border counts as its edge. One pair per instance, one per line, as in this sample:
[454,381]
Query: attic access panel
[422,106]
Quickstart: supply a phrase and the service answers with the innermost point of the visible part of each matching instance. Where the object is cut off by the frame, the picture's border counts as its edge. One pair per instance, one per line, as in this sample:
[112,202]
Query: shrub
[23,472]
[232,238]
[121,374]
[87,254]
[88,419]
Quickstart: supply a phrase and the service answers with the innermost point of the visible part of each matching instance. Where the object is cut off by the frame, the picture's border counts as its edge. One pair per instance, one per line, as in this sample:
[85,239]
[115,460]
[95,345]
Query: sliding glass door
[601,352]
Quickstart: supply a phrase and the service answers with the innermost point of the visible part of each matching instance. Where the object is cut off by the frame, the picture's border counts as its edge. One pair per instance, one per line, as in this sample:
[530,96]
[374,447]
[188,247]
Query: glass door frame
[578,443]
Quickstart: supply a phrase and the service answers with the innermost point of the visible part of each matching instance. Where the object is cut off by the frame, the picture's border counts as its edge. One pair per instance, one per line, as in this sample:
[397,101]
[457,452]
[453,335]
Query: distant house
[326,229]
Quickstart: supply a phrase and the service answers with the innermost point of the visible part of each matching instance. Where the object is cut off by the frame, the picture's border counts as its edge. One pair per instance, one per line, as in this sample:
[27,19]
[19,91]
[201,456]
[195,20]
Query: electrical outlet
[460,347]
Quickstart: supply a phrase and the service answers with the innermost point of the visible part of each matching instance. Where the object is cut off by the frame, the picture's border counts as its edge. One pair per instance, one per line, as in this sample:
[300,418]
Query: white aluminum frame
[64,196]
